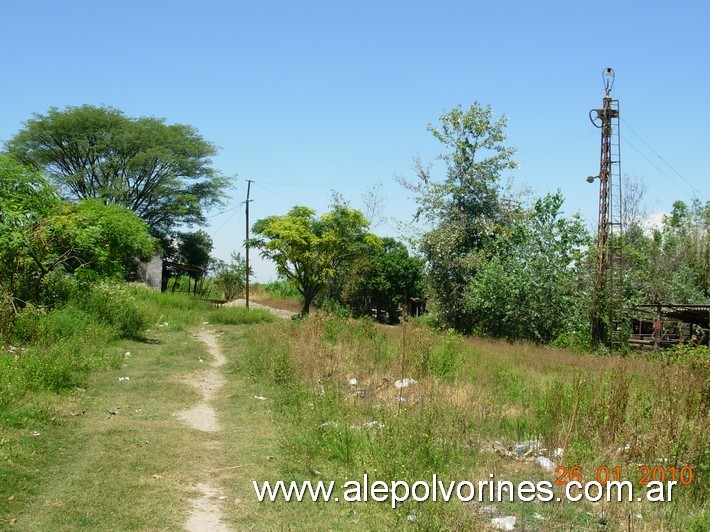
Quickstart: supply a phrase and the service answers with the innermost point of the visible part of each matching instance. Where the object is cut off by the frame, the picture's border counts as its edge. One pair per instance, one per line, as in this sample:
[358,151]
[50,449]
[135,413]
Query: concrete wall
[151,273]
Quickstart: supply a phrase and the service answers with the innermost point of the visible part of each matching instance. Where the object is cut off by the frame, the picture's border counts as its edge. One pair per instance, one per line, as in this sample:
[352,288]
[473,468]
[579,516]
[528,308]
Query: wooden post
[246,243]
[658,328]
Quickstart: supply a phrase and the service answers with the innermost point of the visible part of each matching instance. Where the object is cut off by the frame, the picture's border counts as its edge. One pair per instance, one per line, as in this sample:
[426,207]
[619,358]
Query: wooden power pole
[246,242]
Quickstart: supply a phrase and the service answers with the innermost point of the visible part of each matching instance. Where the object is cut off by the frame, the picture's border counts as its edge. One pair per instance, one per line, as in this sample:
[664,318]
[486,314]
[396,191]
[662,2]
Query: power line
[662,159]
[656,167]
[225,211]
[274,193]
[311,185]
[230,217]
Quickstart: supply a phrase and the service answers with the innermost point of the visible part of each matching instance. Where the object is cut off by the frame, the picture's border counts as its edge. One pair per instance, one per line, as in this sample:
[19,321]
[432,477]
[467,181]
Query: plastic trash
[403,383]
[352,382]
[526,446]
[504,523]
[260,398]
[545,463]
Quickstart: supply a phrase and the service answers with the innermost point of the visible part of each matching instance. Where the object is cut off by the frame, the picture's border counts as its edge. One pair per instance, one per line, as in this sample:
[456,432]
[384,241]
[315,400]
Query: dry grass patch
[469,393]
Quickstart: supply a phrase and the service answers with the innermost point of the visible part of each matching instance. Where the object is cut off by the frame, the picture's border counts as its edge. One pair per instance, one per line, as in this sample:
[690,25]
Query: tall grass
[54,364]
[277,294]
[470,393]
[55,349]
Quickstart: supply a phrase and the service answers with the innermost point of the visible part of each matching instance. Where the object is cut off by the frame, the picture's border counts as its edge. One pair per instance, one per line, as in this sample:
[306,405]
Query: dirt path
[206,514]
[284,314]
[164,439]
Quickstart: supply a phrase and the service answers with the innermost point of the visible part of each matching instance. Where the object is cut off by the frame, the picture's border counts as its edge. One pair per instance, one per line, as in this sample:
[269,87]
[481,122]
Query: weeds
[469,393]
[239,316]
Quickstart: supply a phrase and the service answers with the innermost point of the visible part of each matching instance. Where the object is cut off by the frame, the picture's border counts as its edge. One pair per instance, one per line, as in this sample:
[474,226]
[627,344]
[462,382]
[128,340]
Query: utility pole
[608,273]
[246,242]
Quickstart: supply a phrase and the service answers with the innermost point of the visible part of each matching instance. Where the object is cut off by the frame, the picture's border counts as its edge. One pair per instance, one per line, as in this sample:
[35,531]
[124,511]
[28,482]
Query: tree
[383,279]
[41,235]
[107,240]
[308,251]
[672,263]
[26,199]
[465,208]
[532,286]
[194,249]
[231,276]
[161,172]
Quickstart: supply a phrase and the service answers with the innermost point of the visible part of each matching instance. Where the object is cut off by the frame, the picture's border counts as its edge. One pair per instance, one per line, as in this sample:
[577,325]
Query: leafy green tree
[194,249]
[161,172]
[26,199]
[688,227]
[107,240]
[41,235]
[230,276]
[89,239]
[532,286]
[672,263]
[383,279]
[308,251]
[465,209]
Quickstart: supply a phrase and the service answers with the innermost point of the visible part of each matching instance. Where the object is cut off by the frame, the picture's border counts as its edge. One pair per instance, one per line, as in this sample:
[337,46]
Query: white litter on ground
[403,383]
[504,523]
[545,463]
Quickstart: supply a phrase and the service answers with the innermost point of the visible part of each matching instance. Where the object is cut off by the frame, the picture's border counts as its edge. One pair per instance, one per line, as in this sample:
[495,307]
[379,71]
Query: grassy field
[89,437]
[472,402]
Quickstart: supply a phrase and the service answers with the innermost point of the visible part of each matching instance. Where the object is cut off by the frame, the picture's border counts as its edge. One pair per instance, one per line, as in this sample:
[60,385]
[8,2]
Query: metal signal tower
[606,328]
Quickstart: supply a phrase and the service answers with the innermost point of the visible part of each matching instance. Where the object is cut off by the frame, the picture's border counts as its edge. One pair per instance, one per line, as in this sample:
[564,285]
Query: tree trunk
[307,300]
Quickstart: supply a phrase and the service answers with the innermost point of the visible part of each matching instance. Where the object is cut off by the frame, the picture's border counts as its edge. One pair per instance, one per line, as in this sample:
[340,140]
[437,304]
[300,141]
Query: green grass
[239,316]
[469,394]
[137,468]
[81,447]
[96,470]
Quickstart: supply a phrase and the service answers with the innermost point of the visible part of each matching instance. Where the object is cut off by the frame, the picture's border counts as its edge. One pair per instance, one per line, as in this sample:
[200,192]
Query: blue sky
[308,97]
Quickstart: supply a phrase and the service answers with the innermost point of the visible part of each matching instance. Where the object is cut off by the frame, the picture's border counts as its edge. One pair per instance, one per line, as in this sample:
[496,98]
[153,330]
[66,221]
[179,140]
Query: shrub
[57,368]
[6,315]
[283,289]
[239,316]
[28,325]
[113,304]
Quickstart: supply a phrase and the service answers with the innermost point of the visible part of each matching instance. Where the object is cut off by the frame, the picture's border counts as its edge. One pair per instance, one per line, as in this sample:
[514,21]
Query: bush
[240,316]
[283,289]
[57,368]
[36,325]
[57,288]
[114,305]
[6,315]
